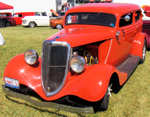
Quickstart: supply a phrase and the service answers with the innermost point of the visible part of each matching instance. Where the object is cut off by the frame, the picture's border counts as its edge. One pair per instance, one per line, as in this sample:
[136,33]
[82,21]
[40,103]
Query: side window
[137,15]
[126,20]
[19,15]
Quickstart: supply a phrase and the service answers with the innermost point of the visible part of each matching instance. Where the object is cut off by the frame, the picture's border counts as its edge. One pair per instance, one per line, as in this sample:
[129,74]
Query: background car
[6,19]
[18,16]
[57,22]
[40,19]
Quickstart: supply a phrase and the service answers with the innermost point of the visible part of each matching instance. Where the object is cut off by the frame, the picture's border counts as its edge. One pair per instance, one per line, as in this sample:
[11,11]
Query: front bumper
[43,104]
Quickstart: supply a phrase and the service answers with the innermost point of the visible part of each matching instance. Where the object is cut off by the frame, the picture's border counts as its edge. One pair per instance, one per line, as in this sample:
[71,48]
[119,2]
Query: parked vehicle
[18,16]
[6,19]
[146,23]
[57,22]
[96,52]
[40,19]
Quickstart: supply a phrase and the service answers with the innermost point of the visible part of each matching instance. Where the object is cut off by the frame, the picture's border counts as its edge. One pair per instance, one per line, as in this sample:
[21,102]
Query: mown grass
[133,100]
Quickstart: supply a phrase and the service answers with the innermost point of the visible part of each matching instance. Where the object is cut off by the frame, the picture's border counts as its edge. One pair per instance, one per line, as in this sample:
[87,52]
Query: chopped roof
[114,8]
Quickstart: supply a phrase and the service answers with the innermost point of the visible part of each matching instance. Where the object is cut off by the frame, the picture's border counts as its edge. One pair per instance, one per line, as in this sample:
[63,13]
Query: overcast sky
[45,5]
[29,5]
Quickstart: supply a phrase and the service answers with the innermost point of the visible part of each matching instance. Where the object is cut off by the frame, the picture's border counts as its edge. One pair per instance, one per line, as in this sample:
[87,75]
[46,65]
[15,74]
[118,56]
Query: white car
[40,19]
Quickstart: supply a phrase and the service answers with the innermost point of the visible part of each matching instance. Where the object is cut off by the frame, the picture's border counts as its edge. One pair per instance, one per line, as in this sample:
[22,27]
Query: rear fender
[148,41]
[137,45]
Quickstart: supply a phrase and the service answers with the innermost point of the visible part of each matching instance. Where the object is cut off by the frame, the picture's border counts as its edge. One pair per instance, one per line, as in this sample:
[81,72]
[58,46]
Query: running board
[129,65]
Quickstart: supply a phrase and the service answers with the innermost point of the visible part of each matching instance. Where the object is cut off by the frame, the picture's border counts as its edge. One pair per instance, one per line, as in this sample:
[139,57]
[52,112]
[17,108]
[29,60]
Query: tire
[102,105]
[32,24]
[143,53]
[59,27]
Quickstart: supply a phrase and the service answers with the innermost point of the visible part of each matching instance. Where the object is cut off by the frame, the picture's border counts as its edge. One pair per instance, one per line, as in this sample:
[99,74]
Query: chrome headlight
[31,57]
[77,64]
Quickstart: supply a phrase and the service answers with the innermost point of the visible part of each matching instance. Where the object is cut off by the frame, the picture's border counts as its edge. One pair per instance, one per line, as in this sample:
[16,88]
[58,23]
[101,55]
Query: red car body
[18,16]
[108,35]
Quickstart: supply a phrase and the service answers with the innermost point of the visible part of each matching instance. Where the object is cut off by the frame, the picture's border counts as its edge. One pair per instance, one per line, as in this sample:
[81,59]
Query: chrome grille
[55,57]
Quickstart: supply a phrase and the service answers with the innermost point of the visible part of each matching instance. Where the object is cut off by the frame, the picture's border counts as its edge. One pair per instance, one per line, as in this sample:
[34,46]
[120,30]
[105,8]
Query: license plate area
[12,83]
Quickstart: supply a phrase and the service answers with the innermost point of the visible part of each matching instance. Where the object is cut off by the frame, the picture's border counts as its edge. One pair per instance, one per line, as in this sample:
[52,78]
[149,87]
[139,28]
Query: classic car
[18,16]
[146,23]
[95,54]
[39,19]
[57,22]
[6,19]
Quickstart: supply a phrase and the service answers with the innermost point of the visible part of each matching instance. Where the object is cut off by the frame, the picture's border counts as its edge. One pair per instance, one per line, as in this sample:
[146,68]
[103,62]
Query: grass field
[133,100]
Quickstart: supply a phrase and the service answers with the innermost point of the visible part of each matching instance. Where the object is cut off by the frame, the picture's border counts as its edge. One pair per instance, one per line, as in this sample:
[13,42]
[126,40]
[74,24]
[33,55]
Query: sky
[29,5]
[139,2]
[46,5]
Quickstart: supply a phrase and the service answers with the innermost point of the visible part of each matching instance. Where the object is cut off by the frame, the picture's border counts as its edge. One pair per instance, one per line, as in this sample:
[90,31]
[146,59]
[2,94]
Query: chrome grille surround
[47,68]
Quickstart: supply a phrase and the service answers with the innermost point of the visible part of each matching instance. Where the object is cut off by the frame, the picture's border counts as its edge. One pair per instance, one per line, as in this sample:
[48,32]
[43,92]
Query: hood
[85,35]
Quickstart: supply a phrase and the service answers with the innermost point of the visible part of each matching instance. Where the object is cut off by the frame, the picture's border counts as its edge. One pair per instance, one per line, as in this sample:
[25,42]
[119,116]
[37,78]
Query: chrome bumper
[43,104]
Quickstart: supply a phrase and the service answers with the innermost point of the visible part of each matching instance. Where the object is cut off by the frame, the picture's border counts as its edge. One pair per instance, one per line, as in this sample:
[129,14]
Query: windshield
[102,19]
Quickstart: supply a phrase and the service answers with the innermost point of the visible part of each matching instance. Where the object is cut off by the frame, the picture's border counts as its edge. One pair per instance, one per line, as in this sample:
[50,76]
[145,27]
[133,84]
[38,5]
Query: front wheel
[59,26]
[32,24]
[102,105]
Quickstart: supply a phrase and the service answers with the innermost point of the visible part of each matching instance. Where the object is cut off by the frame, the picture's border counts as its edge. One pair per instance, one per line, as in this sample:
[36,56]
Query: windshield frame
[81,13]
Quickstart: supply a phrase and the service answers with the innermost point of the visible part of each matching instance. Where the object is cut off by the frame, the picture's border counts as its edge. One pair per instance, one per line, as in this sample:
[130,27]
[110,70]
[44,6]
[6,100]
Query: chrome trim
[66,69]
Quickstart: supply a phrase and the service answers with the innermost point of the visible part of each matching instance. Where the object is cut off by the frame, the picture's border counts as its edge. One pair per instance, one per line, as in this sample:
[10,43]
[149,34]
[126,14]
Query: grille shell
[55,59]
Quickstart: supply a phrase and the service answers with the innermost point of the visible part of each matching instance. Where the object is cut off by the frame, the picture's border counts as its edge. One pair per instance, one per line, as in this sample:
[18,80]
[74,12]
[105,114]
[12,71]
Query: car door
[121,45]
[43,19]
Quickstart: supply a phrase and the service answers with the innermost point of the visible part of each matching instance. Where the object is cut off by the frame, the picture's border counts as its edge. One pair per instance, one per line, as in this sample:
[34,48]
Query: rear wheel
[143,53]
[32,24]
[59,27]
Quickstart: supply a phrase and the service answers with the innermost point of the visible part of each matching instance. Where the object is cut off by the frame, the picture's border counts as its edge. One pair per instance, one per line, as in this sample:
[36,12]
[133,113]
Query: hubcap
[110,89]
[32,25]
[144,52]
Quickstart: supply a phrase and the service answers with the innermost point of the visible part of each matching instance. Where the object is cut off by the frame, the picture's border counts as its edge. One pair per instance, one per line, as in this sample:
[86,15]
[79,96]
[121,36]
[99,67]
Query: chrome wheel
[32,25]
[143,53]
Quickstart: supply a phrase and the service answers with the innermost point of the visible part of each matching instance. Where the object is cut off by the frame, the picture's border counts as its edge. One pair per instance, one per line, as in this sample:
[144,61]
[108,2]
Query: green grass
[133,100]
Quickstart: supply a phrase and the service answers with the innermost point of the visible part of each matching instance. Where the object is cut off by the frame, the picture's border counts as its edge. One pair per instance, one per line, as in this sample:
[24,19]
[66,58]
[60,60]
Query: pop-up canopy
[4,6]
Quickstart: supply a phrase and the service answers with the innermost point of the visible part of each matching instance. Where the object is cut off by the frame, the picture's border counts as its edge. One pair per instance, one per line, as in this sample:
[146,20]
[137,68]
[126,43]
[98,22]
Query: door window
[126,20]
[137,15]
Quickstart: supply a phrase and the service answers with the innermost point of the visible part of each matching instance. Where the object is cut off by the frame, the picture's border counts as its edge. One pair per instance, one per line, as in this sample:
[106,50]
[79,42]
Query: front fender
[90,85]
[26,75]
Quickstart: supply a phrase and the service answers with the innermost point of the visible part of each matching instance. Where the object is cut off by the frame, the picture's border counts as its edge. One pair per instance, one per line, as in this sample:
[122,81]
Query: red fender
[148,41]
[137,45]
[90,85]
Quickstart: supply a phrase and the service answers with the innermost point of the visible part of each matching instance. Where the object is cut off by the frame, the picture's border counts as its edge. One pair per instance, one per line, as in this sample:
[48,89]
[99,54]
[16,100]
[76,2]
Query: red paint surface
[18,16]
[92,84]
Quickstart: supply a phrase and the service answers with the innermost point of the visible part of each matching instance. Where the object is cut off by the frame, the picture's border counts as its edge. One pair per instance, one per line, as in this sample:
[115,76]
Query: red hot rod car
[96,52]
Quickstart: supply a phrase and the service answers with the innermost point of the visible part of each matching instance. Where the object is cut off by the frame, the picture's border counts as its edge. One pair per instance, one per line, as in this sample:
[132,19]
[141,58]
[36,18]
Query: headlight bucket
[31,57]
[77,64]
